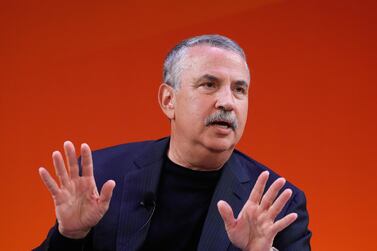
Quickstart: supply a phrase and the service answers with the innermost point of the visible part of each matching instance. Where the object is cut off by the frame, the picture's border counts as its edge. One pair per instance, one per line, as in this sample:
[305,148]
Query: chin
[219,145]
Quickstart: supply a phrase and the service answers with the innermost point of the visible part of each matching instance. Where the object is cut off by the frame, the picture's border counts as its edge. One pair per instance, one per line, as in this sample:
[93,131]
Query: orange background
[88,71]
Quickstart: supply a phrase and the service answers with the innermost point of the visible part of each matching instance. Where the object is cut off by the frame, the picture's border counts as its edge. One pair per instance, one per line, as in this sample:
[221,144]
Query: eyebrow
[212,78]
[242,83]
[208,77]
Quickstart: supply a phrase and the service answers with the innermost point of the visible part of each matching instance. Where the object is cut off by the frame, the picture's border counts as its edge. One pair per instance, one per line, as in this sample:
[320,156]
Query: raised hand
[255,227]
[78,206]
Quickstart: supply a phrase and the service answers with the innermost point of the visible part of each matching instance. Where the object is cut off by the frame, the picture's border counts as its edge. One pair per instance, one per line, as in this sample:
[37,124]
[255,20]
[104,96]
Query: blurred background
[89,71]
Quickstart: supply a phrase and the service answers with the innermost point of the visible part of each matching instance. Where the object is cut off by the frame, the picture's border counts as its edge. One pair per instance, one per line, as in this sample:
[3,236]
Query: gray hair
[173,61]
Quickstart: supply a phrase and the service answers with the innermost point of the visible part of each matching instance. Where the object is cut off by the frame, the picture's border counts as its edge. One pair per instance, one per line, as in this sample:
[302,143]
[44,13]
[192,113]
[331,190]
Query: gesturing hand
[255,227]
[78,206]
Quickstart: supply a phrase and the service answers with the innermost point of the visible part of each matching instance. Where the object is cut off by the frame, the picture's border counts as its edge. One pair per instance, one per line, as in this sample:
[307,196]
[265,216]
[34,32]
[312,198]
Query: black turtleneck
[183,199]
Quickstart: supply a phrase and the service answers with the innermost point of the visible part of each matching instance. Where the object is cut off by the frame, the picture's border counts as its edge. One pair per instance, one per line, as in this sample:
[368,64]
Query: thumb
[226,213]
[106,193]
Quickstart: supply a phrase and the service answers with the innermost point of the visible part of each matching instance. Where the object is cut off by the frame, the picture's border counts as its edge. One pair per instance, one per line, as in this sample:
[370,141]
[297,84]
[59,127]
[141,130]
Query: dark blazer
[136,168]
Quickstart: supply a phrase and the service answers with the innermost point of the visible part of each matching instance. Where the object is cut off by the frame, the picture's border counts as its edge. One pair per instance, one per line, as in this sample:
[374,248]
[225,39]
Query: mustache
[222,116]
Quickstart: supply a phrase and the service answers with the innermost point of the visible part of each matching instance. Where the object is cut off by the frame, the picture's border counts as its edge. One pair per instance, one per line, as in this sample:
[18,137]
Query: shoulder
[128,150]
[252,169]
[116,161]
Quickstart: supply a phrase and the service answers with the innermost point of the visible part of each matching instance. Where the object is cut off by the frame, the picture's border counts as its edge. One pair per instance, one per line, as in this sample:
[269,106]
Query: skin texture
[212,80]
[78,206]
[255,228]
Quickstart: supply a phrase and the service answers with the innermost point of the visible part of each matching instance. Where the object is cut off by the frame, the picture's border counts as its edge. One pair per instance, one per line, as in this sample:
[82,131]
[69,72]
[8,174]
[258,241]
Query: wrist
[78,234]
[271,249]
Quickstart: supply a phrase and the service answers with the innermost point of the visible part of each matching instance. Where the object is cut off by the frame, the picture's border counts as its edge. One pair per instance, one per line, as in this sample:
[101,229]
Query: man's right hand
[78,206]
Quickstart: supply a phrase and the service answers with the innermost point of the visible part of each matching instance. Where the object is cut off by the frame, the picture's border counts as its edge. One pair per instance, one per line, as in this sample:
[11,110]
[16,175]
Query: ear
[166,99]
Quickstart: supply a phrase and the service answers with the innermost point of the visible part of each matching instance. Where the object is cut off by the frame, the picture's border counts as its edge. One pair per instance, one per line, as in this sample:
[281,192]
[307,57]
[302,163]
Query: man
[182,192]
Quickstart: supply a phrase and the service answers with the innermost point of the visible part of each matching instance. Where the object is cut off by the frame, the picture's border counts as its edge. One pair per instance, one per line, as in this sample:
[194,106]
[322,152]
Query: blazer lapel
[145,177]
[229,189]
[134,217]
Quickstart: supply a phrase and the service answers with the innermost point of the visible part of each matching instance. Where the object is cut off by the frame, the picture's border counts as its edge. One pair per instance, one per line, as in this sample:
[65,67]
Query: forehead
[204,59]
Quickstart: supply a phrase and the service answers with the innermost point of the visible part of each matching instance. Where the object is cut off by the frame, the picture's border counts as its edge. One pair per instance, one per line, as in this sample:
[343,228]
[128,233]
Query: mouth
[222,124]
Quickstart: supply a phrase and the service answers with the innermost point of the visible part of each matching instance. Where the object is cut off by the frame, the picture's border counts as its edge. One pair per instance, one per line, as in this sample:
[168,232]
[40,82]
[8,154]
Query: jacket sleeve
[57,242]
[295,237]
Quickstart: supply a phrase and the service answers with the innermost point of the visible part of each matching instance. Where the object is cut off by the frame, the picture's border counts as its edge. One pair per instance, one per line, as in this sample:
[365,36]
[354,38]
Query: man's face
[210,107]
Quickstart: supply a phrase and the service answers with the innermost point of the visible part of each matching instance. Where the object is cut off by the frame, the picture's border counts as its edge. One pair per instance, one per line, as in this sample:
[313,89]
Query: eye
[208,85]
[240,89]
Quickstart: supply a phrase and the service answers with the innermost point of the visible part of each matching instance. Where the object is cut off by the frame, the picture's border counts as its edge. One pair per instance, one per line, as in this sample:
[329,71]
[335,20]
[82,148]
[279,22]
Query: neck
[196,156]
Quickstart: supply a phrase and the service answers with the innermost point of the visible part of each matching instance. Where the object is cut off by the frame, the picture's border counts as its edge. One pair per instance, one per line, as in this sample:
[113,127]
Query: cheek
[200,108]
[243,108]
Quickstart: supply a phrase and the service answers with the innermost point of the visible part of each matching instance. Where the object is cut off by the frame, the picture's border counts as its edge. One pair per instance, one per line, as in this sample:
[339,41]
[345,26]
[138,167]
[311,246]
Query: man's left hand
[255,227]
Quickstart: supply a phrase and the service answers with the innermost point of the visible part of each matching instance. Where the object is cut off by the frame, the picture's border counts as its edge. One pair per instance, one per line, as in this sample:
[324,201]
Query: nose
[225,99]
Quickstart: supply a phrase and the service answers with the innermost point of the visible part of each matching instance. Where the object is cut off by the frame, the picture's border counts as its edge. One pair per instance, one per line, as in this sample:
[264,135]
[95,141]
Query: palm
[255,227]
[78,205]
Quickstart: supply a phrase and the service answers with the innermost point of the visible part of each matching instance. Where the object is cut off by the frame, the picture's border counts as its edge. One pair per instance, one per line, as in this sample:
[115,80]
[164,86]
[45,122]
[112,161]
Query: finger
[226,213]
[284,222]
[106,193]
[48,181]
[280,203]
[70,155]
[257,192]
[60,170]
[272,192]
[86,160]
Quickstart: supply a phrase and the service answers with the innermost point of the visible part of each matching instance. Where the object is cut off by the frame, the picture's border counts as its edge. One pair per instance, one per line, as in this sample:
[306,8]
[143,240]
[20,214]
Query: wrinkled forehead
[206,59]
